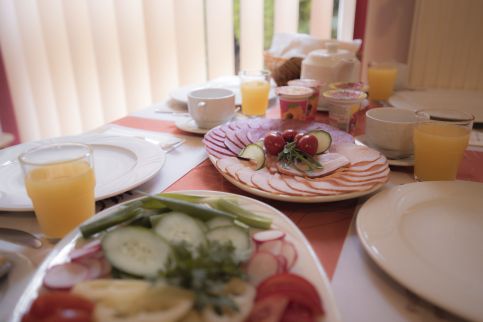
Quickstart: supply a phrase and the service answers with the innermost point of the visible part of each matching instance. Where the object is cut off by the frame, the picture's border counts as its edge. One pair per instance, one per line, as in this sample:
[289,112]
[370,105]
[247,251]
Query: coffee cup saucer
[187,124]
[403,162]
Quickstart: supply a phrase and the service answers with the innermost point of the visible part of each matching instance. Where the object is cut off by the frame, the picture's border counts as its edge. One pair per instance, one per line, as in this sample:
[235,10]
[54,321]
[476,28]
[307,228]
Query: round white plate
[299,199]
[468,101]
[120,164]
[187,124]
[229,82]
[307,265]
[405,162]
[429,237]
[12,286]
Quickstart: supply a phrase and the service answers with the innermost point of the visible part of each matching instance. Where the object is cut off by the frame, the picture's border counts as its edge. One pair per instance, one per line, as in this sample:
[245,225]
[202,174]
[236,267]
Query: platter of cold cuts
[295,161]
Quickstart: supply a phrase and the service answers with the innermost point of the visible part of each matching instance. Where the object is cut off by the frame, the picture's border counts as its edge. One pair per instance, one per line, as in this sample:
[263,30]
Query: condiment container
[314,85]
[356,86]
[343,104]
[294,101]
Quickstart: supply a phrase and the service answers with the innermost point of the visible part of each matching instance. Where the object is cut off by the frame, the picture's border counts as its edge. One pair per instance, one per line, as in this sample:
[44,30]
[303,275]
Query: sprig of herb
[290,155]
[205,272]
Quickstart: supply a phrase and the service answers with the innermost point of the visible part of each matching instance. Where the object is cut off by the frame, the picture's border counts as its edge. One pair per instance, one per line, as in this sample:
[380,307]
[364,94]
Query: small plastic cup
[315,86]
[355,86]
[343,104]
[294,101]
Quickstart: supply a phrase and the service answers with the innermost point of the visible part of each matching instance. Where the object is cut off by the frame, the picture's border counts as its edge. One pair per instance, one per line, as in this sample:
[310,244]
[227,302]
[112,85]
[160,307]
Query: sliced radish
[268,235]
[87,250]
[94,267]
[106,267]
[282,264]
[65,276]
[274,247]
[261,266]
[290,253]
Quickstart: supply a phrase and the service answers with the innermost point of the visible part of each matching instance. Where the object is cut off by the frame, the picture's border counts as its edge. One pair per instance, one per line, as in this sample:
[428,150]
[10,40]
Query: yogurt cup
[315,86]
[356,86]
[343,104]
[294,101]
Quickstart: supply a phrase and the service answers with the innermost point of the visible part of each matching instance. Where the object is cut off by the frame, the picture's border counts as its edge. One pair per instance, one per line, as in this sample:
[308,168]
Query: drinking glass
[60,181]
[381,78]
[440,139]
[254,88]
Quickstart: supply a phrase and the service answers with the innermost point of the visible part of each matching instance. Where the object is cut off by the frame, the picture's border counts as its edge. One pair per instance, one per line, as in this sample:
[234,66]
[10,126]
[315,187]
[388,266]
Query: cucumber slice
[136,250]
[255,153]
[238,237]
[323,138]
[178,228]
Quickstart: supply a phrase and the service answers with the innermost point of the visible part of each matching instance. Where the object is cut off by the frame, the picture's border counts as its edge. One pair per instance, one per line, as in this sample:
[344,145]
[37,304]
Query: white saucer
[405,162]
[187,124]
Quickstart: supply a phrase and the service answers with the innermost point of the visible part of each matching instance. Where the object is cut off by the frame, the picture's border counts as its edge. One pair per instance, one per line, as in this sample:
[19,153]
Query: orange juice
[62,195]
[254,97]
[381,82]
[438,150]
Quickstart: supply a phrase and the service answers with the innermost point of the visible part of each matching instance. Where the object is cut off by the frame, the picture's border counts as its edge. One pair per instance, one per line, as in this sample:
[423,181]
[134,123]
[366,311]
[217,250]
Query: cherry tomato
[308,144]
[296,312]
[289,135]
[274,143]
[298,136]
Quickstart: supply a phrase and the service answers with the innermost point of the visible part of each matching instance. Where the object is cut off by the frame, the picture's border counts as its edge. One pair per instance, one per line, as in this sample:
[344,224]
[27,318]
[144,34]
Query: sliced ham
[231,136]
[277,183]
[214,147]
[302,186]
[245,175]
[214,141]
[260,180]
[222,164]
[326,186]
[357,154]
[233,168]
[215,138]
[241,135]
[347,180]
[232,147]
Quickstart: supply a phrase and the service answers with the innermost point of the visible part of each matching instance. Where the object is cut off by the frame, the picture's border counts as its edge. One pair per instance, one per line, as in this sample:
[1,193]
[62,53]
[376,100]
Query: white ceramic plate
[299,199]
[229,82]
[307,265]
[120,164]
[405,162]
[429,237]
[11,288]
[468,101]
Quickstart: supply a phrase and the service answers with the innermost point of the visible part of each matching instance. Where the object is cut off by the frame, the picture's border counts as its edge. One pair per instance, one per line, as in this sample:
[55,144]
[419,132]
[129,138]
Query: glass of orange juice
[254,88]
[60,181]
[381,78]
[440,139]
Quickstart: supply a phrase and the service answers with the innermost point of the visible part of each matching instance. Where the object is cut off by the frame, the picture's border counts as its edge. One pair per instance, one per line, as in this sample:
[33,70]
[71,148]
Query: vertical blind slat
[161,43]
[60,65]
[286,19]
[108,59]
[321,18]
[79,33]
[132,41]
[17,73]
[345,23]
[251,34]
[220,40]
[38,67]
[190,38]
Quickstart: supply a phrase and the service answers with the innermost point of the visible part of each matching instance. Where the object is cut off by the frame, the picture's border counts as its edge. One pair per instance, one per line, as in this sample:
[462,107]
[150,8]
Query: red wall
[7,114]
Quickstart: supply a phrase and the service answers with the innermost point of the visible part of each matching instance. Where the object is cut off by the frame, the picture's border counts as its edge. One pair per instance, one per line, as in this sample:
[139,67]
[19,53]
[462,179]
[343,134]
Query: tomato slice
[59,307]
[268,309]
[296,288]
[298,313]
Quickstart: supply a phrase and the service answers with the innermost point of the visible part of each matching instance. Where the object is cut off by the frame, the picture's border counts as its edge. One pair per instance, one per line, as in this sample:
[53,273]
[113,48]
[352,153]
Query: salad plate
[306,265]
[431,241]
[120,164]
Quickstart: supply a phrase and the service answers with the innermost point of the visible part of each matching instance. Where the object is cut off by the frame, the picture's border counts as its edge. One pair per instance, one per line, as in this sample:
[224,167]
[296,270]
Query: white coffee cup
[210,107]
[390,130]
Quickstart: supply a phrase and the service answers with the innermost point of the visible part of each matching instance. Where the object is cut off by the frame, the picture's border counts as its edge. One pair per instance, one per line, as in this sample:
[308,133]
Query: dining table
[362,290]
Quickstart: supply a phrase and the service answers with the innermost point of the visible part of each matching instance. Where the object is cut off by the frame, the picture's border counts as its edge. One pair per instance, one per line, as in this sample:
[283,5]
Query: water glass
[255,89]
[440,139]
[60,181]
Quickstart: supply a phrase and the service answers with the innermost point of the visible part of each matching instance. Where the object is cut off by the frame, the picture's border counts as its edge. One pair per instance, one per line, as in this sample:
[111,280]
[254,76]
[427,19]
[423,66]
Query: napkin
[286,45]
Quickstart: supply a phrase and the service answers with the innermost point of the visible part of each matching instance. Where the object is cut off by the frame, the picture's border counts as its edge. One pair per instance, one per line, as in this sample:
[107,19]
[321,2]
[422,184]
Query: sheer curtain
[75,65]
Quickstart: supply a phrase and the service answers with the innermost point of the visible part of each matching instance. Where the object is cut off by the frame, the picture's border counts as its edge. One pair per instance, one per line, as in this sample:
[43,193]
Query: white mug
[390,130]
[210,107]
